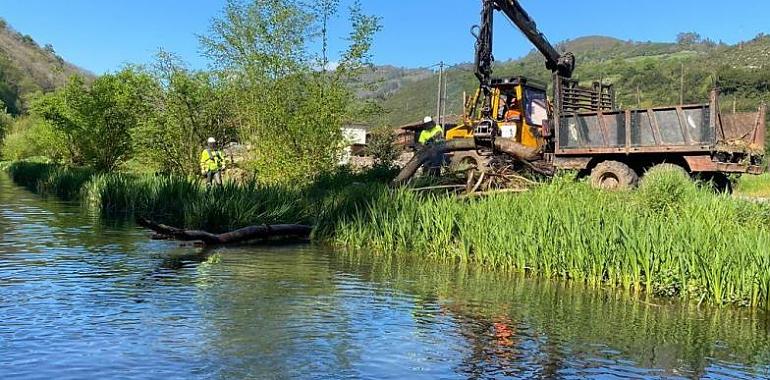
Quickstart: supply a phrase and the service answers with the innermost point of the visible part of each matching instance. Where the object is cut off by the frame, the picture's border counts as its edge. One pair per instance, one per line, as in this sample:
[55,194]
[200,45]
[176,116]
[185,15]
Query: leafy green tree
[5,120]
[291,102]
[31,137]
[688,38]
[96,119]
[186,107]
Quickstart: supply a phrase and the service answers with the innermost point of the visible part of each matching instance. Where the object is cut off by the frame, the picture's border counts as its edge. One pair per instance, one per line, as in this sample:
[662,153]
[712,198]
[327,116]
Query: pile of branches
[498,174]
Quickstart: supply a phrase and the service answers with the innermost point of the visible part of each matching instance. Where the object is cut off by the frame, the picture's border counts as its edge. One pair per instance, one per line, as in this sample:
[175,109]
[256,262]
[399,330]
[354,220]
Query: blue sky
[103,35]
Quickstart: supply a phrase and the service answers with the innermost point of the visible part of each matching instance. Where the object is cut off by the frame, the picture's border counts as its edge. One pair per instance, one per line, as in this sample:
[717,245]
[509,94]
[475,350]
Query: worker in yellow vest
[212,163]
[432,133]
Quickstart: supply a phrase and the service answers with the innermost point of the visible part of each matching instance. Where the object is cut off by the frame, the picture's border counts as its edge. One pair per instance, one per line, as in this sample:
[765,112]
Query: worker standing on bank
[212,163]
[433,133]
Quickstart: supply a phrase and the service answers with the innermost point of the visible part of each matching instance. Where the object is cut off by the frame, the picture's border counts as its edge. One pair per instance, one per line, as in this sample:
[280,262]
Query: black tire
[613,175]
[720,183]
[466,160]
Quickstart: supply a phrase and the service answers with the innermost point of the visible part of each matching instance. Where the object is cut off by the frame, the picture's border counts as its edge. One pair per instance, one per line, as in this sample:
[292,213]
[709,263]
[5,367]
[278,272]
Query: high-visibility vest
[429,134]
[513,115]
[212,161]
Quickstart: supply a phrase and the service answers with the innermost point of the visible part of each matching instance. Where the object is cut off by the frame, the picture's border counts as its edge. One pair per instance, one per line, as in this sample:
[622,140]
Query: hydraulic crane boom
[563,64]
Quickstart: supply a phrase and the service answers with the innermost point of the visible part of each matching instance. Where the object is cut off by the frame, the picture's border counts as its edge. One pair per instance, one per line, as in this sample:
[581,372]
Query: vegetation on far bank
[273,90]
[670,237]
[644,74]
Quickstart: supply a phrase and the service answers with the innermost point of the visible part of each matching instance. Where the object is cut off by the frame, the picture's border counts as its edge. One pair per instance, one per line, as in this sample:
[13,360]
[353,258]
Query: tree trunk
[425,154]
[242,235]
[516,150]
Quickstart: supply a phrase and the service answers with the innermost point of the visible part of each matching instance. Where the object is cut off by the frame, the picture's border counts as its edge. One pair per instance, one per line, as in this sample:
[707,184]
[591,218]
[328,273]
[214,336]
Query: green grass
[668,238]
[754,186]
[186,202]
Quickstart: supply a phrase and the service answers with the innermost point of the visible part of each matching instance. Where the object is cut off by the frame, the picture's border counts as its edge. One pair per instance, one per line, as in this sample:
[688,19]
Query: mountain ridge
[644,74]
[26,68]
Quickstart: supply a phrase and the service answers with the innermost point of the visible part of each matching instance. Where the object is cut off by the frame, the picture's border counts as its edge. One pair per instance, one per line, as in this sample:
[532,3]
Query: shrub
[666,186]
[31,137]
[382,147]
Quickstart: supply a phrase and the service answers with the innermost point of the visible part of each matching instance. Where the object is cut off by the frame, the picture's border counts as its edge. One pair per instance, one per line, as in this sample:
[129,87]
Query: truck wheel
[613,175]
[666,167]
[720,182]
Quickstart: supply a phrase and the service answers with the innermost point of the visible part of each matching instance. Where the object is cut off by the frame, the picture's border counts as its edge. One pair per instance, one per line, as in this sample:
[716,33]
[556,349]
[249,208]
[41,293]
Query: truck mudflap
[706,164]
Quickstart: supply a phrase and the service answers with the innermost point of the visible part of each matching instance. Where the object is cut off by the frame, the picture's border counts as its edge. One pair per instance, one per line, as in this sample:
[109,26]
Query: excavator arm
[563,64]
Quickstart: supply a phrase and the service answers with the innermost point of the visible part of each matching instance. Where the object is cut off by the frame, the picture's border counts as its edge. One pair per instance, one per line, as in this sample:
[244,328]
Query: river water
[84,299]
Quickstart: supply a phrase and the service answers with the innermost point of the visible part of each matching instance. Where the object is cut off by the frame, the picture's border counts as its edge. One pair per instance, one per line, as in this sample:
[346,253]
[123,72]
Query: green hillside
[644,74]
[26,67]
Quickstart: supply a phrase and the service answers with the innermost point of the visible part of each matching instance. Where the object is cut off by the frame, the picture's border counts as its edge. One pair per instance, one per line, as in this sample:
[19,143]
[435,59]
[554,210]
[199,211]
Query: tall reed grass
[670,237]
[188,203]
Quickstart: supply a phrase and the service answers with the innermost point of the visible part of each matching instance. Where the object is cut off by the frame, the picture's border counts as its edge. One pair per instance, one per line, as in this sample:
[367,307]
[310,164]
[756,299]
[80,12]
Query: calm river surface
[80,299]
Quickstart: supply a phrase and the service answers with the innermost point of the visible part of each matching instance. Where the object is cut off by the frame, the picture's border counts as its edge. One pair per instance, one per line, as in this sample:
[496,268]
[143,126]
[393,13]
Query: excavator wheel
[464,161]
[613,175]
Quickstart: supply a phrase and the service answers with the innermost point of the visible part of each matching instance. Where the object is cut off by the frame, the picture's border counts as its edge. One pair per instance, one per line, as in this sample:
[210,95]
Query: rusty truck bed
[696,130]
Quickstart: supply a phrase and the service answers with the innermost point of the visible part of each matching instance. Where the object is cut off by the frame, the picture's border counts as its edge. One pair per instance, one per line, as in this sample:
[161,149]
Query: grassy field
[668,238]
[754,186]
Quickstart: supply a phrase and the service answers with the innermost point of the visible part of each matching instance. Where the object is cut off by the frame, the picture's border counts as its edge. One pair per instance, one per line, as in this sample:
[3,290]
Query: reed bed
[669,238]
[186,202]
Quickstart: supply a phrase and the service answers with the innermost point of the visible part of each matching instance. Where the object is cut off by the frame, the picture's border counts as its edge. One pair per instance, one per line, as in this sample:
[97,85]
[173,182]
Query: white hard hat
[427,120]
[212,140]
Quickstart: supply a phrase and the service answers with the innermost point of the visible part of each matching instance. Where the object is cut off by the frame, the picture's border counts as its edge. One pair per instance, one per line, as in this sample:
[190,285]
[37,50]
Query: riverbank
[669,238]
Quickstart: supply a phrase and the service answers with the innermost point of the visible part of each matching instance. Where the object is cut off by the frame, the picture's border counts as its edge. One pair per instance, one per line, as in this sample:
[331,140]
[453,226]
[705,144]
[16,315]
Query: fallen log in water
[282,231]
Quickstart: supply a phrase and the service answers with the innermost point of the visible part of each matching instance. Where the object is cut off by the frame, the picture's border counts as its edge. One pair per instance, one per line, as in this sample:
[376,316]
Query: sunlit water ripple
[80,299]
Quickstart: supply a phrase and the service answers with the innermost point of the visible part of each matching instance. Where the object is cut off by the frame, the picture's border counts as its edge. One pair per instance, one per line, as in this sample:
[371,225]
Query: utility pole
[444,101]
[438,97]
[638,97]
[681,87]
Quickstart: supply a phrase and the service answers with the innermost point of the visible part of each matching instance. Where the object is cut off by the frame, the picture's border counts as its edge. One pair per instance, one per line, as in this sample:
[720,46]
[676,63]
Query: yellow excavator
[511,121]
[513,108]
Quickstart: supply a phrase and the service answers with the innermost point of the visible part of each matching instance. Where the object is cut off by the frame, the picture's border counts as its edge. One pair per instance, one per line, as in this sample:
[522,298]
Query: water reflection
[533,328]
[83,299]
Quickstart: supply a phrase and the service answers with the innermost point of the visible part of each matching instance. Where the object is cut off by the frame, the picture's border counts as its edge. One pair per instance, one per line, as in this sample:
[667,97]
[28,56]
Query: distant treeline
[644,74]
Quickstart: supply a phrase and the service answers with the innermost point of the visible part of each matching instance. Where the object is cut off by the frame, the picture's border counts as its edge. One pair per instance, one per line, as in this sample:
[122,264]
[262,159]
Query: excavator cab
[518,109]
